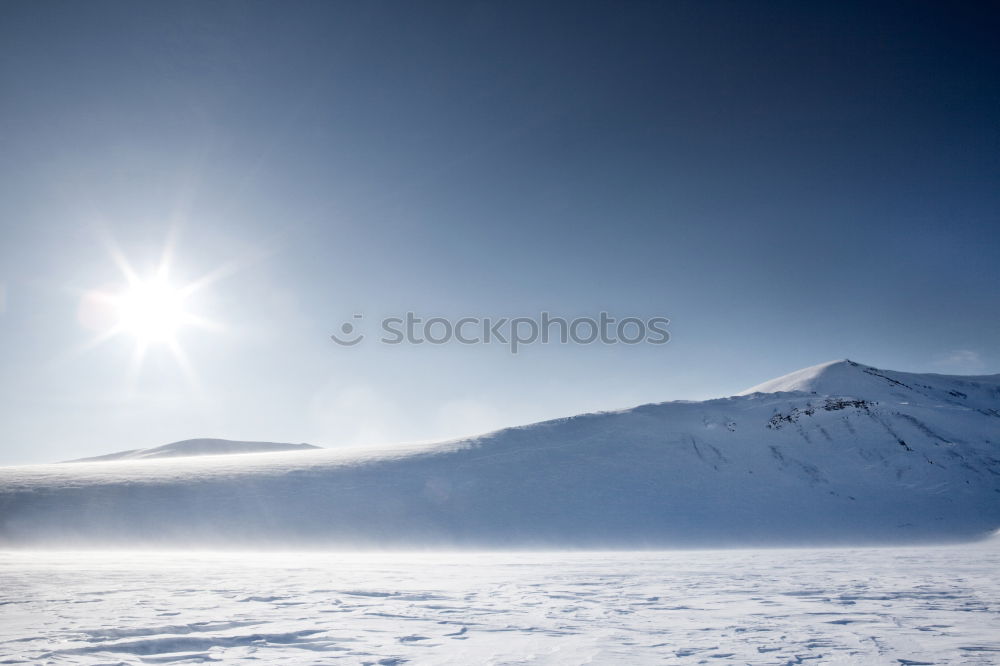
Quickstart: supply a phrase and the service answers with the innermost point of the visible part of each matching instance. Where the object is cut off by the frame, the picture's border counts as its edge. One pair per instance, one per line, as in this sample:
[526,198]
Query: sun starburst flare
[152,310]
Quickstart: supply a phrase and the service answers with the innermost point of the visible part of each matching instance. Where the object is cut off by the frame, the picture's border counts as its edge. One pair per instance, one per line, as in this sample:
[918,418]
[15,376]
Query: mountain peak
[848,378]
[826,377]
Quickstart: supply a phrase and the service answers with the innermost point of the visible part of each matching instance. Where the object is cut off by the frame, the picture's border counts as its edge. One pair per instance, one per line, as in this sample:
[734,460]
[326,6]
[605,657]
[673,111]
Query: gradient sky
[788,182]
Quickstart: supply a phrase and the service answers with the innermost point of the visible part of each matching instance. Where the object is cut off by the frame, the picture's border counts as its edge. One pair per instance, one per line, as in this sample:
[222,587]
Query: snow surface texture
[922,605]
[198,447]
[837,454]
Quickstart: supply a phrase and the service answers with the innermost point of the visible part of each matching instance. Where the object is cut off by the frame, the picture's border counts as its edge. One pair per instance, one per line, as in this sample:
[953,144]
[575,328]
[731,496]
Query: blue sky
[789,183]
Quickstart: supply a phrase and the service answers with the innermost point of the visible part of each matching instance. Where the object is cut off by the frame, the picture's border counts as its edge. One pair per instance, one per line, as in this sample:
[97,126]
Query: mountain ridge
[894,458]
[835,376]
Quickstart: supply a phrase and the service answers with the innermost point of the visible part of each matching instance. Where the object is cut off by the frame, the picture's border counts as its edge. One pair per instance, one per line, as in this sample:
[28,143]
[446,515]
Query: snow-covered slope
[840,453]
[197,447]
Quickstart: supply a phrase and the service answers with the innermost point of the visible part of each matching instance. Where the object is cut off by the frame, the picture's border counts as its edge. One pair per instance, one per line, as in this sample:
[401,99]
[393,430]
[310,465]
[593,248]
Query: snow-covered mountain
[197,447]
[837,453]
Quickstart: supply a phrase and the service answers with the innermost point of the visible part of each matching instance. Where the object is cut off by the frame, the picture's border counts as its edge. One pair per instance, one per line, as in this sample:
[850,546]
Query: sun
[152,311]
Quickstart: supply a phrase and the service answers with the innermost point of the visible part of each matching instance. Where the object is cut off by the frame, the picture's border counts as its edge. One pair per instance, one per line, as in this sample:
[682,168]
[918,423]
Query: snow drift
[838,453]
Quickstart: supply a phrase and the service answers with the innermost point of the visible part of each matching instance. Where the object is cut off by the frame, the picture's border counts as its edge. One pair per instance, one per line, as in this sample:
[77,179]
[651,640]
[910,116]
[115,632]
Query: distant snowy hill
[838,453]
[197,447]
